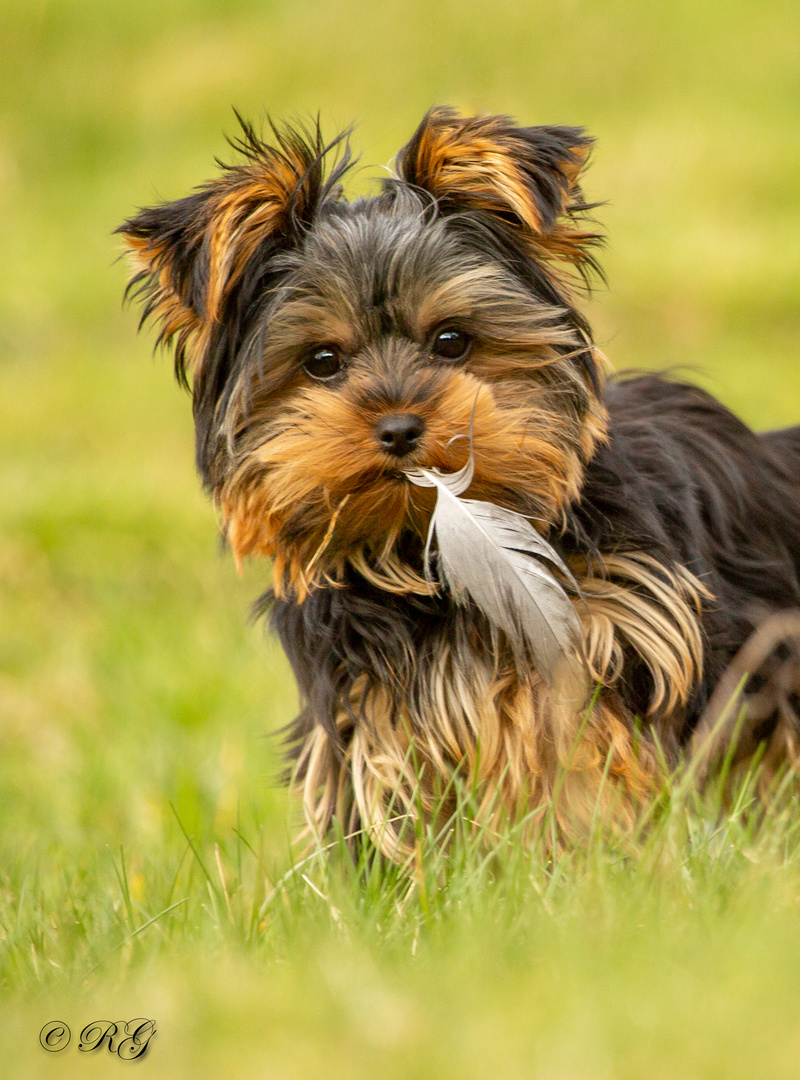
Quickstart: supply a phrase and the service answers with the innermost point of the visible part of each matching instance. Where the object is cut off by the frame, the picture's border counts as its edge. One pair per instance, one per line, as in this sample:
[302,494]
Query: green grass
[135,698]
[672,954]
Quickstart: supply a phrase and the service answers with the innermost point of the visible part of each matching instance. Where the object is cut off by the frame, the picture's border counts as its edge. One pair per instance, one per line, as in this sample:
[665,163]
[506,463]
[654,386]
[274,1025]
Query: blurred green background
[129,677]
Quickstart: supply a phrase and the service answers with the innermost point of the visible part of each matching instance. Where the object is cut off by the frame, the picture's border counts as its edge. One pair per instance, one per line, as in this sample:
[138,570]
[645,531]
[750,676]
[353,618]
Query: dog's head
[330,345]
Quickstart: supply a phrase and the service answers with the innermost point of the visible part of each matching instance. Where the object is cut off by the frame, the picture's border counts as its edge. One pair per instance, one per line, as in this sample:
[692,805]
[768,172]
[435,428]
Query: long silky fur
[680,525]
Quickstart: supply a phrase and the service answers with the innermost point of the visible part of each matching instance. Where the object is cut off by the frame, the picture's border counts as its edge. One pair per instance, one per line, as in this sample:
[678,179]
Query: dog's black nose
[399,433]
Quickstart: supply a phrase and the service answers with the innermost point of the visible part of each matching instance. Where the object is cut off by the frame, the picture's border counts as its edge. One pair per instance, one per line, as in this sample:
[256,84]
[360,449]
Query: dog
[332,347]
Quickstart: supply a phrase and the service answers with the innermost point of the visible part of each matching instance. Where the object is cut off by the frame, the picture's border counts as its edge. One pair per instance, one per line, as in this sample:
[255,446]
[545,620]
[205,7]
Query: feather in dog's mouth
[495,559]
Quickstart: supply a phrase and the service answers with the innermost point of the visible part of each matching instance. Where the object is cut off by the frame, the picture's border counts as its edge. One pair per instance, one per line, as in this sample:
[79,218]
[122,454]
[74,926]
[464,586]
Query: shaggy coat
[331,344]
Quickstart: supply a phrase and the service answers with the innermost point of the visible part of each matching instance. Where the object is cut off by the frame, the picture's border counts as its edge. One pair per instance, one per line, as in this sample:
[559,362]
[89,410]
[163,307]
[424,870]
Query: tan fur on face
[321,450]
[296,449]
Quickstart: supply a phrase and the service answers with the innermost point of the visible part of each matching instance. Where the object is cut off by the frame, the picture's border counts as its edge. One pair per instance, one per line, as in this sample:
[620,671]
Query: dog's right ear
[189,255]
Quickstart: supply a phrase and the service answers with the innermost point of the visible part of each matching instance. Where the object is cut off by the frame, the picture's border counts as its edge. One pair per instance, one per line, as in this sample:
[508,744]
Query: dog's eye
[324,363]
[450,345]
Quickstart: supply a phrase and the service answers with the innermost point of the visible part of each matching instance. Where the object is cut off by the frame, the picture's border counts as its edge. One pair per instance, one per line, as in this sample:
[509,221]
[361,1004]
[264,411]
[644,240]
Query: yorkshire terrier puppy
[334,346]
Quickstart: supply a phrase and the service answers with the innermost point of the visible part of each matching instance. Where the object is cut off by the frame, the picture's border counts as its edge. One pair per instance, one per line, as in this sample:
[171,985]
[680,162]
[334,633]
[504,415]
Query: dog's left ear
[526,177]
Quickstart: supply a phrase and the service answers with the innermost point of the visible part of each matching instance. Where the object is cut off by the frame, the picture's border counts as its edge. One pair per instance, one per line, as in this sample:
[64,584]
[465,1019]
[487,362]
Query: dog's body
[334,346]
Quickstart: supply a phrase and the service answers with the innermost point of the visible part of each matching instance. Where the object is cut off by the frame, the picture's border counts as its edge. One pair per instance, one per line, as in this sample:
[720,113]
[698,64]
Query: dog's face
[333,345]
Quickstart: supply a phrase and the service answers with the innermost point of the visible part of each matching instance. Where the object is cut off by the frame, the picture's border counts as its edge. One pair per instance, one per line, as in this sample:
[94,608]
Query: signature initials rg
[126,1039]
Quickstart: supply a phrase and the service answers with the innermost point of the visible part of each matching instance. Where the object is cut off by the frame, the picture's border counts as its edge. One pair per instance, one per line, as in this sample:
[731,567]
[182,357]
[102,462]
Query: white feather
[490,555]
